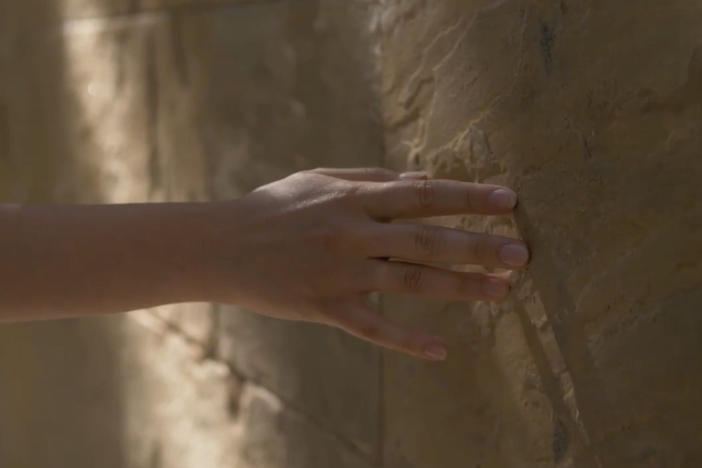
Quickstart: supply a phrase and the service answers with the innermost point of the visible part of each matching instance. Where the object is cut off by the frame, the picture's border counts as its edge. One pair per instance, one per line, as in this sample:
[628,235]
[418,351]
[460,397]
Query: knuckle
[309,175]
[413,278]
[355,238]
[425,239]
[477,249]
[349,191]
[481,250]
[347,238]
[348,196]
[308,172]
[425,193]
[370,241]
[330,237]
[475,198]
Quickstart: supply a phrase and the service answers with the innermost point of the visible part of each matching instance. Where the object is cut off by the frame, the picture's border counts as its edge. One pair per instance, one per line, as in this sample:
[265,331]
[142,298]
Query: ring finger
[429,282]
[427,243]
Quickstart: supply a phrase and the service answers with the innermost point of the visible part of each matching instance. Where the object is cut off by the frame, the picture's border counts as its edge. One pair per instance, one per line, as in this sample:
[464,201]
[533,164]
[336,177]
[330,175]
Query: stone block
[132,115]
[592,115]
[196,322]
[274,435]
[61,396]
[331,378]
[487,405]
[292,90]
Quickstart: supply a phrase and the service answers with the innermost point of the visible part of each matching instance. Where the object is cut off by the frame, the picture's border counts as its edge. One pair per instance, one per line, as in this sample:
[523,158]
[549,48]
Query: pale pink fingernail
[414,175]
[435,351]
[514,255]
[503,199]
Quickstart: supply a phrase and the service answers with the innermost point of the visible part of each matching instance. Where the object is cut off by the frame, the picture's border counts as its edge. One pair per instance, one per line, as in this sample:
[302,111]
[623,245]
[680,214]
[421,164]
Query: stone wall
[593,112]
[119,101]
[589,111]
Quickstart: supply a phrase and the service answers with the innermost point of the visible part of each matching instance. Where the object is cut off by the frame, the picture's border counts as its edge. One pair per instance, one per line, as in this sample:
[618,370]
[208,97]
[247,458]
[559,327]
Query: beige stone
[273,435]
[181,104]
[331,377]
[593,114]
[592,111]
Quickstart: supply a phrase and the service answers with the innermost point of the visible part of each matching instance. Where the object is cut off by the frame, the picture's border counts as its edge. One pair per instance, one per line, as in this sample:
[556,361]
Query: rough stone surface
[591,110]
[329,376]
[594,116]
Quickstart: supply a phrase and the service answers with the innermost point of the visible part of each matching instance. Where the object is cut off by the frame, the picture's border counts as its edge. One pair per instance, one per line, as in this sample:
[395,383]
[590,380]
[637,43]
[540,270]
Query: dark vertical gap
[380,459]
[570,337]
[180,58]
[382,162]
[212,350]
[152,104]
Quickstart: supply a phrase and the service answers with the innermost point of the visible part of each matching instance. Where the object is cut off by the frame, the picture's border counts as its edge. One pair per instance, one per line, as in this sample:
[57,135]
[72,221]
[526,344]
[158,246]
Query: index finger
[426,198]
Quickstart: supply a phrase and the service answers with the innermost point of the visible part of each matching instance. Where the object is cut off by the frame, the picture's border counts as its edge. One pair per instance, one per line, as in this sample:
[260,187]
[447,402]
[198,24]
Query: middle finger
[427,243]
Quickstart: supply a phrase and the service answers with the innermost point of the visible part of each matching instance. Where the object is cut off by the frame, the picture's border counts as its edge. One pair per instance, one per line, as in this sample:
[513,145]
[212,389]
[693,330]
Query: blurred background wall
[590,113]
[121,101]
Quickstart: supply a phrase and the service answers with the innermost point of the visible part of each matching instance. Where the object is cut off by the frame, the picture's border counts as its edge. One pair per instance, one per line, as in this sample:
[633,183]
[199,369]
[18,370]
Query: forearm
[309,247]
[61,261]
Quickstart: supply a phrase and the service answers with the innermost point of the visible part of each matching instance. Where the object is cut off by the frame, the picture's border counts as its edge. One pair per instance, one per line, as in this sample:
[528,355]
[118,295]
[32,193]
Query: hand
[312,246]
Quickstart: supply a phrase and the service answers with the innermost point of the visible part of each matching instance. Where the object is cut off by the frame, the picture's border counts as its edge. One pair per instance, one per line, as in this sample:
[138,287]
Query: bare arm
[309,247]
[62,261]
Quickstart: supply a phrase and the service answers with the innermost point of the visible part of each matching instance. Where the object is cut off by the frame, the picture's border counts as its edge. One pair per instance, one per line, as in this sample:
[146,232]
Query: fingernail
[414,175]
[503,199]
[495,288]
[514,254]
[435,351]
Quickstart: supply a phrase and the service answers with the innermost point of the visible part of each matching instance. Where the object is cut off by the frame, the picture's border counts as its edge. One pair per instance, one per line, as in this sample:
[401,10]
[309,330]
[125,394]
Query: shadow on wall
[179,103]
[60,395]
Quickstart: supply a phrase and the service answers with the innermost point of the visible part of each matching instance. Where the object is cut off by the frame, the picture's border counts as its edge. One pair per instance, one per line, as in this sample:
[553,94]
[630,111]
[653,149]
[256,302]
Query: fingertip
[514,255]
[503,200]
[435,351]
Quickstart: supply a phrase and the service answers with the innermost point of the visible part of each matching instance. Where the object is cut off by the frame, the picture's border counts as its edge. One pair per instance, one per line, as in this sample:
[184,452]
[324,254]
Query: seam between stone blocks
[380,422]
[289,405]
[210,353]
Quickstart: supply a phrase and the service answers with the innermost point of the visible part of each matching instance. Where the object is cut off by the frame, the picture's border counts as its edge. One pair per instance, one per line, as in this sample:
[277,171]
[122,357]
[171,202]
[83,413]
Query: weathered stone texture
[273,435]
[591,110]
[593,114]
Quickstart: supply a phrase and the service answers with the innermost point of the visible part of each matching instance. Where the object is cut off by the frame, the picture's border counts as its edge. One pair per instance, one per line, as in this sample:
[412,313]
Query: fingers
[429,282]
[414,175]
[424,198]
[361,321]
[437,244]
[370,174]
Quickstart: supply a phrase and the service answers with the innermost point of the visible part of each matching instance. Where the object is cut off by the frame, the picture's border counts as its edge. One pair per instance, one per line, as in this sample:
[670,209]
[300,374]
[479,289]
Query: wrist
[204,251]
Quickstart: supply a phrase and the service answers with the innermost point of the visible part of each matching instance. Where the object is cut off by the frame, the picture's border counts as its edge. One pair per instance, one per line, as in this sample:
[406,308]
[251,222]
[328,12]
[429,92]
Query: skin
[310,247]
